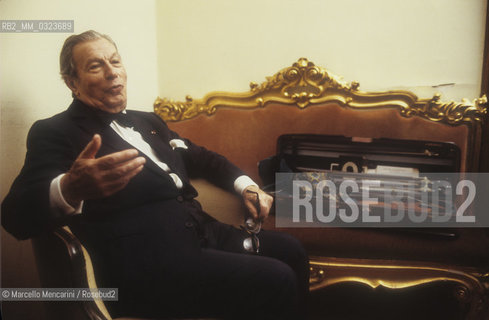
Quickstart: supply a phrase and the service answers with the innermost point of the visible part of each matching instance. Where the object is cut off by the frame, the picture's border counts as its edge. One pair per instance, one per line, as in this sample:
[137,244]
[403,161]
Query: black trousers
[273,284]
[223,280]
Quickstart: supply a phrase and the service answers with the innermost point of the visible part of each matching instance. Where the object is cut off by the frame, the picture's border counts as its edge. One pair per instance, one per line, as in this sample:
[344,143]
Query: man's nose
[111,72]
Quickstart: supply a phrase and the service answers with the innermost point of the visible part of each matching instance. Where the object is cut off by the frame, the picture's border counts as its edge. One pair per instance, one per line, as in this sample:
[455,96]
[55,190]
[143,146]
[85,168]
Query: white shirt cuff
[58,202]
[243,182]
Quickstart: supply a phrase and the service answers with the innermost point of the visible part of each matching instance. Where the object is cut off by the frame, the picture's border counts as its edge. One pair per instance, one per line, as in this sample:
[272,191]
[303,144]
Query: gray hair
[66,64]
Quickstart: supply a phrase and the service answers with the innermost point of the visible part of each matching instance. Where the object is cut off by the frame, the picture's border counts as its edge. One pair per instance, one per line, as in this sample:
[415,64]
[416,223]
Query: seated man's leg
[276,245]
[213,283]
[242,286]
[218,278]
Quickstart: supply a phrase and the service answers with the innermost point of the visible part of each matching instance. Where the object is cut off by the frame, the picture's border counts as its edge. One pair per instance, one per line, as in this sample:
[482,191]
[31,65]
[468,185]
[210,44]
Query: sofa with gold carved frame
[306,98]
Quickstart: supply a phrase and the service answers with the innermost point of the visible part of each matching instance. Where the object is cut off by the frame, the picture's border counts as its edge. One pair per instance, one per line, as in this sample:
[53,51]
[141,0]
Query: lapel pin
[153,132]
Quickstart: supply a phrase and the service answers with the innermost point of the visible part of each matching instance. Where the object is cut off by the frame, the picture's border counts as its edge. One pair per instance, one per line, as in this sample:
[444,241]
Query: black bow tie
[122,118]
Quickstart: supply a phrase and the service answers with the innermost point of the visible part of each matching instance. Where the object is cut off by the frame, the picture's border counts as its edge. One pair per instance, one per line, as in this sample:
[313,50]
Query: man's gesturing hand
[90,178]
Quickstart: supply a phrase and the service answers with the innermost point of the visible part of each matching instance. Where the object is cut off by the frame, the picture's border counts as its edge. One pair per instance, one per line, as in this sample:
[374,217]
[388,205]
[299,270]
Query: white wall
[206,45]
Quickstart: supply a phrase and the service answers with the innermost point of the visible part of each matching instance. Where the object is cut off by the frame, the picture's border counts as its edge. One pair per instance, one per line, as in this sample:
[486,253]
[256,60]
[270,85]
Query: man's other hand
[91,178]
[258,202]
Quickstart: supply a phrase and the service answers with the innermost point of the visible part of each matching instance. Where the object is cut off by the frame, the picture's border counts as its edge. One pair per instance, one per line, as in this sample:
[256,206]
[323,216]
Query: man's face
[100,79]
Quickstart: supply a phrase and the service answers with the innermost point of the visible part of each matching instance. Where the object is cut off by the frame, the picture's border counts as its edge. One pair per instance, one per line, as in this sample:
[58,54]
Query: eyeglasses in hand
[252,243]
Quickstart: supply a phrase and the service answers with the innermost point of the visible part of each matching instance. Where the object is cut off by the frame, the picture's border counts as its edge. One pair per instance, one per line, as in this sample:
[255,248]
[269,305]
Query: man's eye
[116,61]
[93,66]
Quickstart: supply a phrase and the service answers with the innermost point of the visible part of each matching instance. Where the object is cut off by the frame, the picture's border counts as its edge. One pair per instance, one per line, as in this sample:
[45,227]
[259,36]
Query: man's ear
[72,84]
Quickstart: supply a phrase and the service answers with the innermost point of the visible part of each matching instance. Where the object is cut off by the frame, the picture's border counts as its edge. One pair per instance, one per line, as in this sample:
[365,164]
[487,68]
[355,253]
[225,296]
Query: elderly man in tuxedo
[120,180]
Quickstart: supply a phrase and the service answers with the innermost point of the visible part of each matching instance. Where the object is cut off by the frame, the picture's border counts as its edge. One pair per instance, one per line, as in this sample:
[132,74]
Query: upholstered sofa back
[248,136]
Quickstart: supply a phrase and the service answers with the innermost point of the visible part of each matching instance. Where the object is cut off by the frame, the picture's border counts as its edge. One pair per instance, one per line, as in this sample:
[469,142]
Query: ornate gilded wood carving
[304,84]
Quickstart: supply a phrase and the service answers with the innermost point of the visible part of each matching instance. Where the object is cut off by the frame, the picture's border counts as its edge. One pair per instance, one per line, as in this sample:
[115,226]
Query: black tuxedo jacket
[150,217]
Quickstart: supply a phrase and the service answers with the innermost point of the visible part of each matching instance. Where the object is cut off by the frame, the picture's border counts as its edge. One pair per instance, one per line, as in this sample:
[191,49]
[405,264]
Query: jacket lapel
[86,118]
[157,138]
